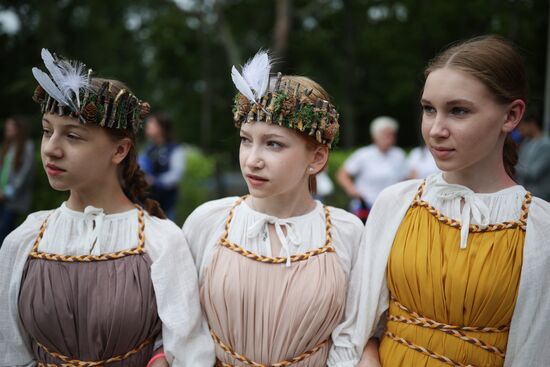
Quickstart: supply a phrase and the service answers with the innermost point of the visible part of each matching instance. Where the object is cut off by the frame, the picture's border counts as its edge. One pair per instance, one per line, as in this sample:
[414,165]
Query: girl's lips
[53,170]
[256,180]
[441,153]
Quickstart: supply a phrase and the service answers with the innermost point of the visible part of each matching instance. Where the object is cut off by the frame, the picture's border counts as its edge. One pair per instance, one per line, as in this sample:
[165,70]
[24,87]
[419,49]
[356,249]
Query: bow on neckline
[291,237]
[468,204]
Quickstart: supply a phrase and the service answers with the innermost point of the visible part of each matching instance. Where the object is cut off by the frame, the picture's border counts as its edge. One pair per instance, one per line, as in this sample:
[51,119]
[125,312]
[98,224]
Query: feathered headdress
[68,90]
[274,100]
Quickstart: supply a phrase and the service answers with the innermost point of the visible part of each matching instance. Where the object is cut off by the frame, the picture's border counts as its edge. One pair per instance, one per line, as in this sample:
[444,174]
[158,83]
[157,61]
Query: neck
[284,205]
[107,195]
[485,178]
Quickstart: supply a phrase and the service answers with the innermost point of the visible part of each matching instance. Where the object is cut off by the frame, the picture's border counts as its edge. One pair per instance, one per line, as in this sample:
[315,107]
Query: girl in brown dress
[87,284]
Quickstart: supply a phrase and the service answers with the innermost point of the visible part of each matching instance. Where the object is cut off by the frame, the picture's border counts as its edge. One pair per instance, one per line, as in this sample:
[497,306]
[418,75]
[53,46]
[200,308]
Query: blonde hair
[318,93]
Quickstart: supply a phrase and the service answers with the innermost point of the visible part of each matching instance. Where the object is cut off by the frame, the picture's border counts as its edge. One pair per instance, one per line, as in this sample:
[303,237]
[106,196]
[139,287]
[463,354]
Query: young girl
[274,265]
[93,281]
[459,262]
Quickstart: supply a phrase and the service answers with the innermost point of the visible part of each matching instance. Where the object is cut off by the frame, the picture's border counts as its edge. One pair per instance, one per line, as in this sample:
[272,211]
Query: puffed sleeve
[185,336]
[203,229]
[367,295]
[14,343]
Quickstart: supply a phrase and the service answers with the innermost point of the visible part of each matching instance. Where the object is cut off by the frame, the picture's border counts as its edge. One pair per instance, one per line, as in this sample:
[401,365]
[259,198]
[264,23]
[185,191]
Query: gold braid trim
[247,361]
[521,223]
[77,363]
[327,247]
[456,331]
[89,258]
[425,351]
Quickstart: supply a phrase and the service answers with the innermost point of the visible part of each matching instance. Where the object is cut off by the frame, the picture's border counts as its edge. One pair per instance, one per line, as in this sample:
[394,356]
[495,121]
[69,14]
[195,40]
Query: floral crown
[273,100]
[68,91]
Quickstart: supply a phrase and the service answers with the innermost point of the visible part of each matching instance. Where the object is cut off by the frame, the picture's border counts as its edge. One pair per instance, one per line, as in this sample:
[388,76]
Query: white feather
[256,73]
[51,65]
[74,80]
[49,86]
[242,85]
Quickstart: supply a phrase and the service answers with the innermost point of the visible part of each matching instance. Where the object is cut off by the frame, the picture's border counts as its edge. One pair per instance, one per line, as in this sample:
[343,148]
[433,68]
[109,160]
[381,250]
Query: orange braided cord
[456,331]
[75,362]
[521,223]
[327,247]
[426,351]
[138,250]
[247,361]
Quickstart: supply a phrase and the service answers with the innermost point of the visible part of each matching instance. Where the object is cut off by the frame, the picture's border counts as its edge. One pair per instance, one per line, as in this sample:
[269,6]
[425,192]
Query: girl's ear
[514,115]
[122,148]
[318,160]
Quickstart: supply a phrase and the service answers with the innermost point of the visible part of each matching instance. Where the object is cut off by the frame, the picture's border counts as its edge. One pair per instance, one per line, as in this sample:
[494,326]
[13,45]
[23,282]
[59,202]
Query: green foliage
[194,189]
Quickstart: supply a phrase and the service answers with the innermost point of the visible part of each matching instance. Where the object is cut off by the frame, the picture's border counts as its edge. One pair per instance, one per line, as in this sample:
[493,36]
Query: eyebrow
[451,102]
[67,126]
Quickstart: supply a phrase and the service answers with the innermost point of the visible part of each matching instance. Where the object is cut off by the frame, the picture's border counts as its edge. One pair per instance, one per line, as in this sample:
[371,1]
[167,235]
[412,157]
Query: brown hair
[498,65]
[18,141]
[133,179]
[318,93]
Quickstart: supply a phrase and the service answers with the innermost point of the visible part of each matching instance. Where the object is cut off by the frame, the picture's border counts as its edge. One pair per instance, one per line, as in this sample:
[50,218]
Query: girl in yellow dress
[457,264]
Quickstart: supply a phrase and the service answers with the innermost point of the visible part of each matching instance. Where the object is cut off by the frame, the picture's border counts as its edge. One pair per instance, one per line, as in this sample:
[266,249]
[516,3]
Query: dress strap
[248,362]
[138,250]
[327,247]
[474,228]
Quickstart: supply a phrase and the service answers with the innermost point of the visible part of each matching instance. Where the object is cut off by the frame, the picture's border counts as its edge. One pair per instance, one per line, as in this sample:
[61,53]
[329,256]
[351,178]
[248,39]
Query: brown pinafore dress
[262,312]
[90,310]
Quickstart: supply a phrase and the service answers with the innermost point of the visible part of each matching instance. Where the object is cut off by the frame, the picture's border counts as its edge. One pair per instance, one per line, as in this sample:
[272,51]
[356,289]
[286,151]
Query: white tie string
[291,237]
[95,217]
[474,208]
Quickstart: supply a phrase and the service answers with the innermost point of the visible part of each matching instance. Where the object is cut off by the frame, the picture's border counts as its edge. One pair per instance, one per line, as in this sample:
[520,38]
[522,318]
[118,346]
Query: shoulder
[400,188]
[212,208]
[26,231]
[344,220]
[539,212]
[159,226]
[209,215]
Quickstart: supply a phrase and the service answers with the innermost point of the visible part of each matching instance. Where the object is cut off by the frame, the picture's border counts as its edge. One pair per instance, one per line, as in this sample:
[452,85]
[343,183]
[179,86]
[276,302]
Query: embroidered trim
[456,331]
[77,363]
[247,361]
[327,247]
[138,250]
[474,228]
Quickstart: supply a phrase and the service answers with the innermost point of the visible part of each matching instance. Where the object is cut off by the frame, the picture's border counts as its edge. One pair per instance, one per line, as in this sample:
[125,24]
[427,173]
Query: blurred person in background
[420,163]
[533,168]
[163,161]
[16,174]
[371,169]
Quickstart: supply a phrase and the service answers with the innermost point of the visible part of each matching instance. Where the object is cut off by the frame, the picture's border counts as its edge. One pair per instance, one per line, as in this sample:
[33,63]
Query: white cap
[382,122]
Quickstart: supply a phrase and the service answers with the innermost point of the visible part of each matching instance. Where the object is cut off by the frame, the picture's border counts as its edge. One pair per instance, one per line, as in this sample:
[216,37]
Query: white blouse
[185,337]
[528,338]
[249,229]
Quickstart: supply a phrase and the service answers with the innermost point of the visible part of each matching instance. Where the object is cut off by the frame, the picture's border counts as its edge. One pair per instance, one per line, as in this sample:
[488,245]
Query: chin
[58,186]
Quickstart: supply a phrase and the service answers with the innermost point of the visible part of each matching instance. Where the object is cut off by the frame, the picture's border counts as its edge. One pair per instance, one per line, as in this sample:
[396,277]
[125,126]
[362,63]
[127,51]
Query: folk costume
[453,277]
[267,307]
[89,288]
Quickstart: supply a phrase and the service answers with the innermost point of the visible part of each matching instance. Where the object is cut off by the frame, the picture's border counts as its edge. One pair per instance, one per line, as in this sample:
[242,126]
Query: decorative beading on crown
[68,91]
[281,103]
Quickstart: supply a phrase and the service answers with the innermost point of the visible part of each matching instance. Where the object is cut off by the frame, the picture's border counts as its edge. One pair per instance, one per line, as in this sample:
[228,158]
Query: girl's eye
[46,132]
[428,109]
[244,139]
[73,136]
[274,144]
[459,111]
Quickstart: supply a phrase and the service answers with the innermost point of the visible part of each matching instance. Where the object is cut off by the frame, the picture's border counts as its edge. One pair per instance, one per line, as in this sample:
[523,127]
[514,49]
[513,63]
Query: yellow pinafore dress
[451,306]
